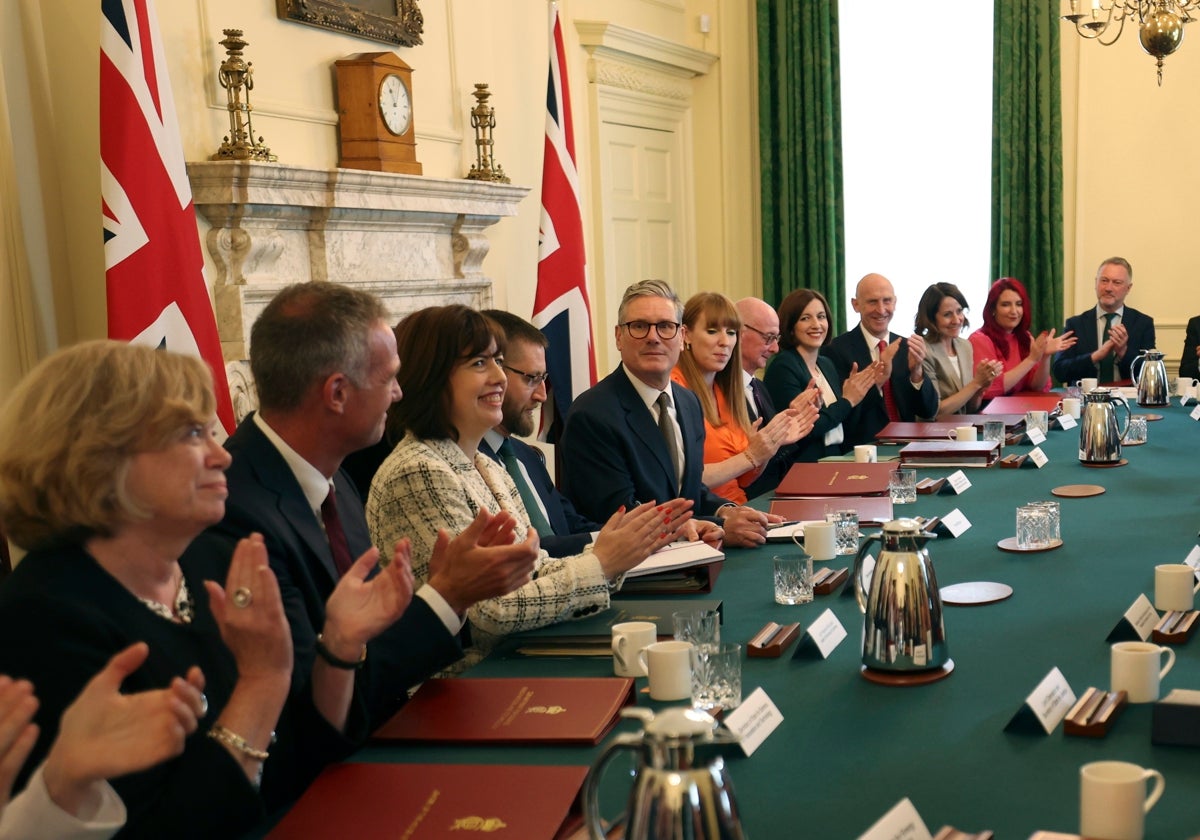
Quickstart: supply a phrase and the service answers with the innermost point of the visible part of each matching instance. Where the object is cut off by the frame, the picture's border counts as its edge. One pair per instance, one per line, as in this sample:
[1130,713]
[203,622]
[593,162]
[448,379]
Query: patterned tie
[1108,370]
[889,399]
[342,560]
[668,432]
[528,497]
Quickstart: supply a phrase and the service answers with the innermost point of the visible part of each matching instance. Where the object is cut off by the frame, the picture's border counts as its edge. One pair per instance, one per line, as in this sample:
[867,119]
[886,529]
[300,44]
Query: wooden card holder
[826,581]
[1013,460]
[1175,627]
[929,486]
[771,641]
[1094,713]
[949,832]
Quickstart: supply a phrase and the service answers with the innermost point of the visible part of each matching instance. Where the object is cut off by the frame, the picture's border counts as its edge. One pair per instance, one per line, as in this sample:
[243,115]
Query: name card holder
[1045,706]
[953,524]
[1012,461]
[753,720]
[1039,458]
[1095,713]
[1175,627]
[957,484]
[826,581]
[929,486]
[901,821]
[1136,624]
[1066,421]
[822,636]
[771,641]
[1193,559]
[1195,415]
[868,571]
[1036,436]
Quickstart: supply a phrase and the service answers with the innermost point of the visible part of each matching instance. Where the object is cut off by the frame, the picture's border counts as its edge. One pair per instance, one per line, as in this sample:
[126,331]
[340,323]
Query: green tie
[528,496]
[1107,364]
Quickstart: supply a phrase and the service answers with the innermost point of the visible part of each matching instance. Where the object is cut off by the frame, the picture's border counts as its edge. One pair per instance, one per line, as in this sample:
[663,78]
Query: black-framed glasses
[768,338]
[531,379]
[640,329]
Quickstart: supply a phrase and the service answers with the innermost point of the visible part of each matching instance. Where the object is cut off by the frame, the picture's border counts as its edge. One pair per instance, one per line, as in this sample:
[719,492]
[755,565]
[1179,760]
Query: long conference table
[848,749]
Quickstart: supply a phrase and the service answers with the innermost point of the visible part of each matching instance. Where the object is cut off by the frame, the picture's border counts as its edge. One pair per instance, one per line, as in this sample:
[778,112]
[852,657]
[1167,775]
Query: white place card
[1038,457]
[955,523]
[868,569]
[1195,415]
[1138,621]
[1036,436]
[1048,704]
[755,719]
[1193,558]
[821,637]
[959,482]
[901,823]
[1066,421]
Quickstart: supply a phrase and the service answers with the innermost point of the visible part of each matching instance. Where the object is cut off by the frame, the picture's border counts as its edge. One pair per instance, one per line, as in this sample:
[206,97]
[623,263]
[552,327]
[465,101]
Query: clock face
[395,104]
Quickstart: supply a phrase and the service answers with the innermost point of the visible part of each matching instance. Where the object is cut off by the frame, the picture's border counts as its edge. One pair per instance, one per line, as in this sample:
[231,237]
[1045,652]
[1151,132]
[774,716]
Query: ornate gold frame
[364,18]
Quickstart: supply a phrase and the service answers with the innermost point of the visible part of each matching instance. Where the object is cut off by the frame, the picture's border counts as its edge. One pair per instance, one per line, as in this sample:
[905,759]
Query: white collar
[313,484]
[648,394]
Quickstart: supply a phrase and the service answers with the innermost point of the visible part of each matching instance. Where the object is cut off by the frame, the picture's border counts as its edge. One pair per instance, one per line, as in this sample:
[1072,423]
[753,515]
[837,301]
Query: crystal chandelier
[1160,23]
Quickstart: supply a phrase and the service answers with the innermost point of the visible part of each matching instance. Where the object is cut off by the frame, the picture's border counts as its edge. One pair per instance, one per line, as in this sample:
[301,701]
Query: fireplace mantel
[411,240]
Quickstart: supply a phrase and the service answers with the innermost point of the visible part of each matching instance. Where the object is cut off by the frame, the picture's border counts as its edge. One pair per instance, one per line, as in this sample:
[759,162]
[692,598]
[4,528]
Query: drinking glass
[1036,420]
[793,578]
[903,486]
[845,530]
[1137,429]
[717,677]
[1033,527]
[993,430]
[700,627]
[1053,528]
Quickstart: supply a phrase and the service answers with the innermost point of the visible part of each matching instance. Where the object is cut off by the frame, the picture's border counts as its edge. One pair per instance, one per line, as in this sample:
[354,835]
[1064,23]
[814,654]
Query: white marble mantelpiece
[413,241]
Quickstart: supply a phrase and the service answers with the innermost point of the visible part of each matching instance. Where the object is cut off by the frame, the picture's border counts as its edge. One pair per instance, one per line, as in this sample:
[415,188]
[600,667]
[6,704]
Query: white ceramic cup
[820,542]
[1112,799]
[669,665]
[1070,405]
[1136,671]
[1088,385]
[1174,587]
[965,433]
[1185,386]
[866,453]
[628,640]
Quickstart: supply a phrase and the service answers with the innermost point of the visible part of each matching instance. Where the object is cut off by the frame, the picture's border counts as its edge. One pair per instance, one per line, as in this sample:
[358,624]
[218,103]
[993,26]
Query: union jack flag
[154,270]
[560,305]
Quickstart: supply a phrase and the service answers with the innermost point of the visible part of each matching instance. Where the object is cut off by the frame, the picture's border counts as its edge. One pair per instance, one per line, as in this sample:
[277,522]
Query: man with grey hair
[636,436]
[1108,335]
[324,361]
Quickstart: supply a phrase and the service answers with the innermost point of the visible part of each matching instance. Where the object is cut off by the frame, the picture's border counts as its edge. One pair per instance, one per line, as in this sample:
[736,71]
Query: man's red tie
[889,399]
[337,536]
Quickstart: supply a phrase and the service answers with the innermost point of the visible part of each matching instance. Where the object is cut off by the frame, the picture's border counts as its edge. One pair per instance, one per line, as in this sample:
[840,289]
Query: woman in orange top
[735,451]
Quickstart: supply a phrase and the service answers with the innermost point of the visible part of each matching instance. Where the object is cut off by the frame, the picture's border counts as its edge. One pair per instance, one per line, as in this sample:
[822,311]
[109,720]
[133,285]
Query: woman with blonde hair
[736,451]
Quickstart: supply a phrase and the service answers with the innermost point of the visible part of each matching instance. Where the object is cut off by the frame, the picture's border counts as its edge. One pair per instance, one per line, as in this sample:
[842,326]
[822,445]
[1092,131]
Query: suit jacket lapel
[642,424]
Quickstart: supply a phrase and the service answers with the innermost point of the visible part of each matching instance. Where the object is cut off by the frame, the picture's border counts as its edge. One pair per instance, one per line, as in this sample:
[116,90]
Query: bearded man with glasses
[637,437]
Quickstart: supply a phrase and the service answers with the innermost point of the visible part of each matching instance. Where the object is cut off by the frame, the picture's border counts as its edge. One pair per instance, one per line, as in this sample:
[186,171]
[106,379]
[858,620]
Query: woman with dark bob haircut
[804,328]
[1005,336]
[950,361]
[110,467]
[436,479]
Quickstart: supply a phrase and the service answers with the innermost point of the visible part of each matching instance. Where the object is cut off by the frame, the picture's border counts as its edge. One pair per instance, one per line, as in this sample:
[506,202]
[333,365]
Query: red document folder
[836,478]
[549,710]
[426,801]
[1020,403]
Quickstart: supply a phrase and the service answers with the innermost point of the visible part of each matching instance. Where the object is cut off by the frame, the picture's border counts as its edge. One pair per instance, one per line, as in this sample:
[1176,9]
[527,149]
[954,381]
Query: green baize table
[848,750]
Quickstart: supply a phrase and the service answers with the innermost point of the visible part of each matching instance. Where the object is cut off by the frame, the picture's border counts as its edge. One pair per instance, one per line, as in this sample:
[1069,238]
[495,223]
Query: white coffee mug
[1088,385]
[819,540]
[629,638]
[1186,386]
[1174,586]
[1070,405]
[865,453]
[1135,669]
[1112,799]
[965,433]
[669,665]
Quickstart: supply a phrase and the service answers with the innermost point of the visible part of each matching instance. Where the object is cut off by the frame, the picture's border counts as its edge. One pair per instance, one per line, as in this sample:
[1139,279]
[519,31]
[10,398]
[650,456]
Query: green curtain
[800,141]
[1027,184]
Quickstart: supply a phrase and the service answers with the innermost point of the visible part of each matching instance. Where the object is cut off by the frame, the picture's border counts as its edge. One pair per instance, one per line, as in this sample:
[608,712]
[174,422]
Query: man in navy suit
[563,531]
[636,436]
[907,395]
[1110,334]
[324,362]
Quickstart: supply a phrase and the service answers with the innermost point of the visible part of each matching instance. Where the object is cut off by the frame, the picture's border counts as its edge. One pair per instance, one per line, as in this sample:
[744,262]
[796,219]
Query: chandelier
[1160,23]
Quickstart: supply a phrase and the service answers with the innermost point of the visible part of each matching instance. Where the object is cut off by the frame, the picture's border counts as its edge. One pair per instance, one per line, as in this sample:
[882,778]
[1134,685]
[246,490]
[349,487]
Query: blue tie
[528,496]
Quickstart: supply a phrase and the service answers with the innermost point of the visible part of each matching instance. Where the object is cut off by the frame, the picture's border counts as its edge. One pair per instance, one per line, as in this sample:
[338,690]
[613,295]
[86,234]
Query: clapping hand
[359,609]
[483,561]
[17,731]
[629,537]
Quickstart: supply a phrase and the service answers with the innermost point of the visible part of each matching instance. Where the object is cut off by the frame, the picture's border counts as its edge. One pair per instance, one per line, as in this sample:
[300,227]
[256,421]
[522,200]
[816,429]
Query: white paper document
[677,555]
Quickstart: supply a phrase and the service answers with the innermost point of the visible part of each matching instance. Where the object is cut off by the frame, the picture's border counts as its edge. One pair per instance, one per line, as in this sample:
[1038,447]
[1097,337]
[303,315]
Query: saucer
[1010,544]
[975,593]
[907,677]
[1077,491]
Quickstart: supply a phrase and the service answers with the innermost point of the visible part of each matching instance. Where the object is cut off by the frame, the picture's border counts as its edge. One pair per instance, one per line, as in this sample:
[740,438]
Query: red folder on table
[1020,403]
[929,430]
[872,510]
[427,801]
[548,710]
[836,478]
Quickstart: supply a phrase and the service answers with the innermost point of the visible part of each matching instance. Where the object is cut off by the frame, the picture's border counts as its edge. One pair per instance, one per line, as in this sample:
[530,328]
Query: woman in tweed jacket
[436,480]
